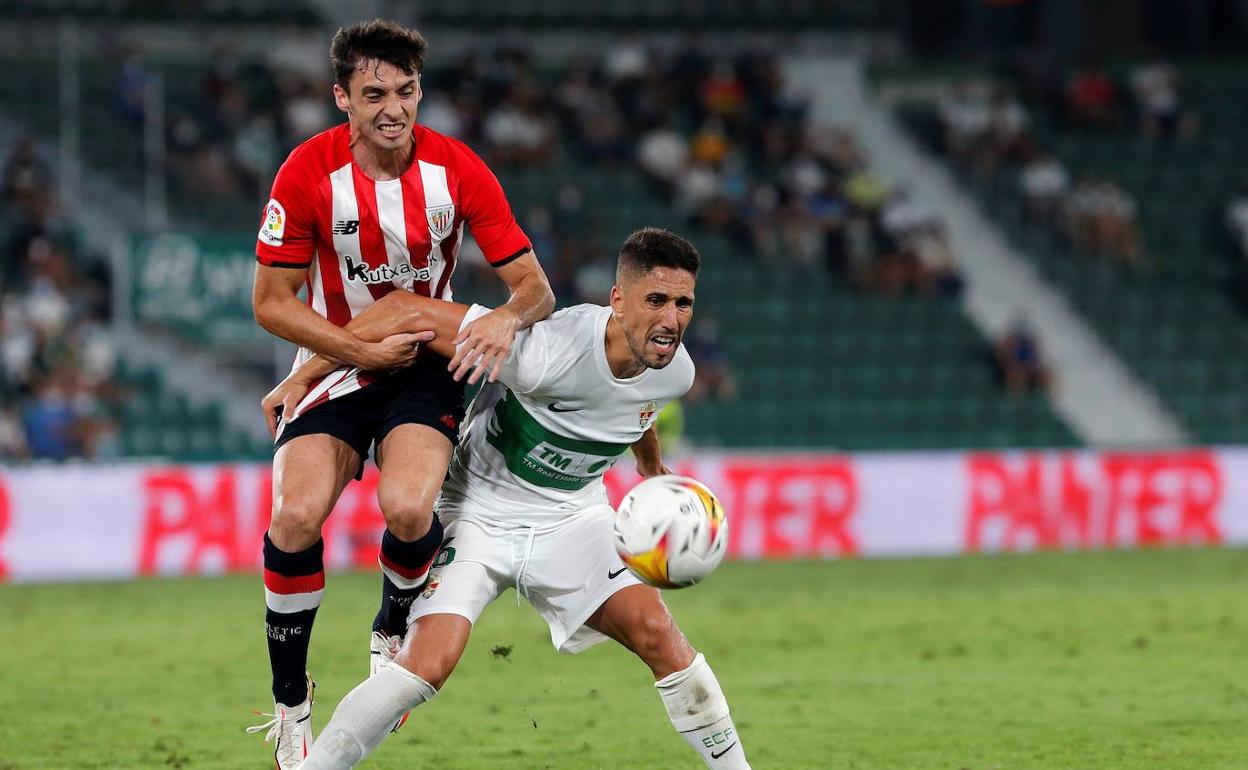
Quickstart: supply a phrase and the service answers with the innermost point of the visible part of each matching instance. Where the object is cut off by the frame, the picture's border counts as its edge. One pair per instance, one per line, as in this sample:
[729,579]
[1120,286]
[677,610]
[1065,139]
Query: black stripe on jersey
[513,257]
[276,263]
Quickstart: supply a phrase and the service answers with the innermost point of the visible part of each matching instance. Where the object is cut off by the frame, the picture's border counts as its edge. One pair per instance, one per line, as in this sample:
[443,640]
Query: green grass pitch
[1107,660]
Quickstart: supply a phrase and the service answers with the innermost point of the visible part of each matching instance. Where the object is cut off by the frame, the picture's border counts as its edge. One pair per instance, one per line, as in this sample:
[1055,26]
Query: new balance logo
[360,271]
[346,227]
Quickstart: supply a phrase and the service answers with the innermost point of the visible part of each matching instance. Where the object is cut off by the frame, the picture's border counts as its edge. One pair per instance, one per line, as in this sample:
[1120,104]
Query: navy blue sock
[293,586]
[404,569]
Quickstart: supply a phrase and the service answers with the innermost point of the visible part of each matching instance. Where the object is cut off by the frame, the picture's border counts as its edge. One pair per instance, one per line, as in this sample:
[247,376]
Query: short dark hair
[652,247]
[380,40]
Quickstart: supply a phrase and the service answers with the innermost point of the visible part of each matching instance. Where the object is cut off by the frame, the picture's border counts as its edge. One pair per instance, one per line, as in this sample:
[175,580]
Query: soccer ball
[670,531]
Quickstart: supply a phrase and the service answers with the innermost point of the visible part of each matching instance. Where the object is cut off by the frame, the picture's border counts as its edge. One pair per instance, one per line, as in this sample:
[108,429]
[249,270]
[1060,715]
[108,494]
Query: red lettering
[800,509]
[356,522]
[216,524]
[1075,512]
[1201,498]
[169,512]
[989,491]
[203,525]
[1172,498]
[1043,501]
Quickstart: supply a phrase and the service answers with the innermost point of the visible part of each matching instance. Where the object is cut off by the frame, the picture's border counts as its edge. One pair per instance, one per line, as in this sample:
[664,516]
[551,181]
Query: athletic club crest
[440,219]
[647,412]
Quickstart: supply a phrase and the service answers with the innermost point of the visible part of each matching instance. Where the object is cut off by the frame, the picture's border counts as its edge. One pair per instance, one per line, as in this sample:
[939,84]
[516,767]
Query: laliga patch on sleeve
[274,225]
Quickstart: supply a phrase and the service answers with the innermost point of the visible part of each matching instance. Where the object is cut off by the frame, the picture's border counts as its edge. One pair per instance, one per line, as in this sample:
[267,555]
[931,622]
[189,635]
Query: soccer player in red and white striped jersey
[376,205]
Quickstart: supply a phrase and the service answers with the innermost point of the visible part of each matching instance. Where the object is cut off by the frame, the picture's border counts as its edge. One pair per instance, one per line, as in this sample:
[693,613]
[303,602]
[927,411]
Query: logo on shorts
[613,575]
[440,219]
[431,586]
[647,413]
[448,420]
[274,225]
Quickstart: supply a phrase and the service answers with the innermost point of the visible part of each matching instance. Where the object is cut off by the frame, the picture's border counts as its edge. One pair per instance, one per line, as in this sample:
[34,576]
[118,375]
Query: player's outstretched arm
[648,456]
[487,340]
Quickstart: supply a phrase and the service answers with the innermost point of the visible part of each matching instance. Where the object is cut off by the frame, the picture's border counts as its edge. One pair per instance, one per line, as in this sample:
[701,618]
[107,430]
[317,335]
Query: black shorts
[423,394]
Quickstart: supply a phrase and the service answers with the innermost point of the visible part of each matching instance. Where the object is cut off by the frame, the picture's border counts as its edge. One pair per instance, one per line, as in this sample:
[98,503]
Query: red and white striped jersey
[361,239]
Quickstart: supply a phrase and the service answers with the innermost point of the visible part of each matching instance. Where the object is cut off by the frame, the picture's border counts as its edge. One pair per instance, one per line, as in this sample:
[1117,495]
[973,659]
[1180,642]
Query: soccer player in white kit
[524,504]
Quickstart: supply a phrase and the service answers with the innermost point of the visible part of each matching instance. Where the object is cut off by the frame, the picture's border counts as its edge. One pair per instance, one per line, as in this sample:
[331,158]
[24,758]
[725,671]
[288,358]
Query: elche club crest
[647,413]
[440,219]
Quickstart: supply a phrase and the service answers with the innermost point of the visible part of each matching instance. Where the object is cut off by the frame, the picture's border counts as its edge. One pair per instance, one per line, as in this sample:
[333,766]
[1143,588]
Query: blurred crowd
[57,356]
[986,129]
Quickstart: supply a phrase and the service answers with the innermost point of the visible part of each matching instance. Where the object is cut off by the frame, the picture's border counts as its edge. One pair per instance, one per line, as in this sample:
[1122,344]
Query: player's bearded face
[382,101]
[654,310]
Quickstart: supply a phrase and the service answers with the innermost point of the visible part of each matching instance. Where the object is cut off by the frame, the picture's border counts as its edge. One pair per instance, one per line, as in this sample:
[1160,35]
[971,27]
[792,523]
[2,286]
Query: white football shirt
[536,443]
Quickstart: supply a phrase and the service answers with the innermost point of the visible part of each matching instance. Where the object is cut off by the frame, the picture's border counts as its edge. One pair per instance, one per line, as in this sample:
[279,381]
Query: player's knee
[406,518]
[433,668]
[296,524]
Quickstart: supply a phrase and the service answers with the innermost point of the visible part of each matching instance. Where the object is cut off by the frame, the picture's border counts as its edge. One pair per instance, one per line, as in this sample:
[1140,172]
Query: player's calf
[365,716]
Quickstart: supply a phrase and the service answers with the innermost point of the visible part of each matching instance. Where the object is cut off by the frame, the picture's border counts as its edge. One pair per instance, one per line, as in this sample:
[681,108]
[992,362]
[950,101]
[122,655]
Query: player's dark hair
[380,40]
[652,247]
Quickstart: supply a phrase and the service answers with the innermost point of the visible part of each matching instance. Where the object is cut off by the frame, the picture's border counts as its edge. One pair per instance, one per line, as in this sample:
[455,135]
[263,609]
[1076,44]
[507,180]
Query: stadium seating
[818,363]
[1177,321]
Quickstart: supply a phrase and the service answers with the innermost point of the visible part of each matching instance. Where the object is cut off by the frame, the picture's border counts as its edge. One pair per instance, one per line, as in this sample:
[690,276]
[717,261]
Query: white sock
[699,712]
[364,717]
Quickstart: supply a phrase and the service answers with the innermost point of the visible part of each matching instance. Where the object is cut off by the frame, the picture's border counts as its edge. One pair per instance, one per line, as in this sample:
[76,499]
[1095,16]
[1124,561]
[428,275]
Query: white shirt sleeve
[529,358]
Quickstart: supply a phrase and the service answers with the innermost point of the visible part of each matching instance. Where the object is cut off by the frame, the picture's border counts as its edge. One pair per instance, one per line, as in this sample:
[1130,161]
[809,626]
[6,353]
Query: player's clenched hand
[393,352]
[646,470]
[282,400]
[483,345]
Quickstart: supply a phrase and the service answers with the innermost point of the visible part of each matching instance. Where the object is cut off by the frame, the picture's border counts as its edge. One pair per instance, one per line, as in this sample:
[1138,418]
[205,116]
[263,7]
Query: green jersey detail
[543,458]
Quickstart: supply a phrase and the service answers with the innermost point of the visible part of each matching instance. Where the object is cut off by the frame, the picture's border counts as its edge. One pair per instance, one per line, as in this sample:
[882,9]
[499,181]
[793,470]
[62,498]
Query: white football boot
[381,650]
[290,730]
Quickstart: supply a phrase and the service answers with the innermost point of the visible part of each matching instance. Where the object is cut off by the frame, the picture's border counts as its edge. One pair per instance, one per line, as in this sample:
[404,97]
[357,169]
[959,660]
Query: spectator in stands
[1044,182]
[1019,361]
[663,154]
[938,269]
[1008,128]
[49,421]
[1101,219]
[518,132]
[1092,99]
[12,435]
[713,379]
[1155,85]
[55,356]
[27,180]
[1237,220]
[966,118]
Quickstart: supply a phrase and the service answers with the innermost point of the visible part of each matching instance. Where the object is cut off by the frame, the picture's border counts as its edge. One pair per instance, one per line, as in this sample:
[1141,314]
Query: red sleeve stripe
[270,262]
[512,258]
[408,576]
[287,585]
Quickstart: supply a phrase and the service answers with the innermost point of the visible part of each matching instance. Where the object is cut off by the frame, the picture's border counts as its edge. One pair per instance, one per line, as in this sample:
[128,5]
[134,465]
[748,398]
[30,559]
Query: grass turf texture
[1107,660]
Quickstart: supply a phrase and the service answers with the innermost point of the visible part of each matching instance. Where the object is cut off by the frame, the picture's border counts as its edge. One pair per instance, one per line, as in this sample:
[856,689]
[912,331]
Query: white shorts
[566,572]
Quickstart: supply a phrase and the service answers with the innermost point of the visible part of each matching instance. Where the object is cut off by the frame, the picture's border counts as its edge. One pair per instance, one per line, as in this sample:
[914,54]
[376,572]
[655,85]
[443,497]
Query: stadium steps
[1180,322]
